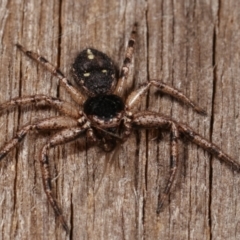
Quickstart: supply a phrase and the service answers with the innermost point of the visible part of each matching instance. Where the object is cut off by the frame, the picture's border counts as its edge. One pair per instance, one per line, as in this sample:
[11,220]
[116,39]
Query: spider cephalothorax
[103,115]
[105,109]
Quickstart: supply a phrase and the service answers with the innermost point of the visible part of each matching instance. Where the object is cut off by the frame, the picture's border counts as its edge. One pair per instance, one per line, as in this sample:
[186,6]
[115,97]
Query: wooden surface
[192,45]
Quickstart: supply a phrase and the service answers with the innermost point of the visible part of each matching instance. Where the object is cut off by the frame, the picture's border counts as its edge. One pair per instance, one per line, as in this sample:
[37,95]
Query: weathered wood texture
[192,45]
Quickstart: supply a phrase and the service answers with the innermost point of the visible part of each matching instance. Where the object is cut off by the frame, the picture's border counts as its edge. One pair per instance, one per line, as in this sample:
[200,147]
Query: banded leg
[62,137]
[154,120]
[126,63]
[75,94]
[134,98]
[54,123]
[208,146]
[174,166]
[149,119]
[62,106]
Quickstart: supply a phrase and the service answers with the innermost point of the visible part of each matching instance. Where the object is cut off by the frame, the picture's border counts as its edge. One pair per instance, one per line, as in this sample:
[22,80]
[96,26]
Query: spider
[103,114]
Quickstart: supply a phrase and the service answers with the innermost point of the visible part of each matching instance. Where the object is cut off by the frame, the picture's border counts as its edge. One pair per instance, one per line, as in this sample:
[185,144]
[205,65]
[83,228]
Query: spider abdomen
[104,108]
[94,71]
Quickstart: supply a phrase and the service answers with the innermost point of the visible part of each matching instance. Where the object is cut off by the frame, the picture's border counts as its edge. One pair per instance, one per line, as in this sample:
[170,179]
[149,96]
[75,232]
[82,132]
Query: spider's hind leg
[126,63]
[75,94]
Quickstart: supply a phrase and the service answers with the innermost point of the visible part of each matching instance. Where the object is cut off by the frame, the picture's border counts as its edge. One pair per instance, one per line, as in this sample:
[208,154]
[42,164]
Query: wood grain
[191,45]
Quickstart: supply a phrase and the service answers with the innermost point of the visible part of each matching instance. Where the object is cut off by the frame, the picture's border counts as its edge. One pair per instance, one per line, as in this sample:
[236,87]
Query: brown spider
[103,116]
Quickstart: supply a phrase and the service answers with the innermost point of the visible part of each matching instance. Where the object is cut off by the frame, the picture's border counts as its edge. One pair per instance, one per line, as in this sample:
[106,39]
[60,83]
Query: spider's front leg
[208,146]
[61,137]
[149,119]
[75,94]
[54,123]
[154,120]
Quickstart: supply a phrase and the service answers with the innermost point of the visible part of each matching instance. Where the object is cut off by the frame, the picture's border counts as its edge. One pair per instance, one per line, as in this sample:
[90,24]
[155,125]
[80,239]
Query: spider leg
[208,146]
[48,124]
[154,120]
[149,119]
[62,106]
[134,98]
[174,166]
[75,94]
[126,63]
[61,137]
